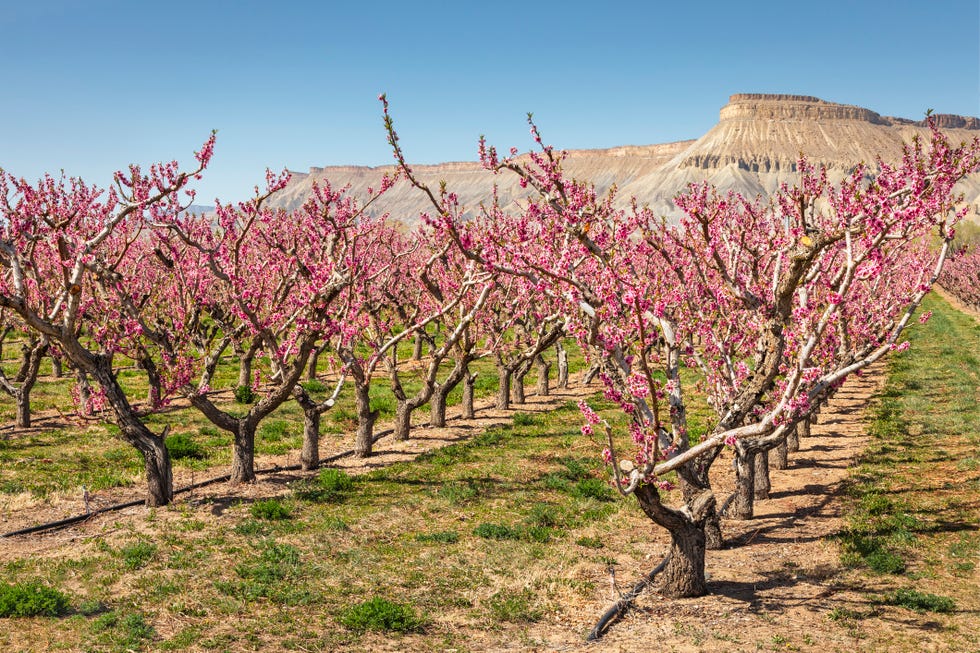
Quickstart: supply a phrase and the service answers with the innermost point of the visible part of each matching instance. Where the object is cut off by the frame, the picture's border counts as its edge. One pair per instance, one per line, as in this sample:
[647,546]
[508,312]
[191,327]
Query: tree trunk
[403,420]
[243,453]
[683,576]
[23,418]
[245,364]
[364,439]
[84,393]
[562,365]
[517,382]
[156,458]
[159,473]
[544,372]
[469,389]
[761,485]
[309,458]
[781,459]
[417,347]
[590,374]
[793,438]
[312,364]
[57,368]
[503,390]
[744,483]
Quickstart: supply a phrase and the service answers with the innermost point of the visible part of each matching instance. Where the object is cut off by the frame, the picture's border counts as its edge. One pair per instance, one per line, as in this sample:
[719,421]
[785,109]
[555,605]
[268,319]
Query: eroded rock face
[754,147]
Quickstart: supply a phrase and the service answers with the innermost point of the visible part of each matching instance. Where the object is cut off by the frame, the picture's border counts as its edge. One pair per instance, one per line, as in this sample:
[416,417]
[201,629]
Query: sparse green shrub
[331,486]
[920,601]
[32,599]
[524,419]
[182,447]
[590,542]
[382,615]
[444,537]
[127,631]
[313,385]
[250,527]
[270,509]
[456,492]
[513,607]
[244,394]
[592,488]
[496,532]
[137,555]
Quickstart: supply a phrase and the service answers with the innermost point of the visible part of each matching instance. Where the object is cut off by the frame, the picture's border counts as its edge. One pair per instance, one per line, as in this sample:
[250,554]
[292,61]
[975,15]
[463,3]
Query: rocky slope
[753,148]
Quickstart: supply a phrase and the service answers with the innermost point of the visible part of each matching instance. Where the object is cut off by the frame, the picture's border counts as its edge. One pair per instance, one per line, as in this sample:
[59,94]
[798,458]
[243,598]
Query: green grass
[382,615]
[928,406]
[920,601]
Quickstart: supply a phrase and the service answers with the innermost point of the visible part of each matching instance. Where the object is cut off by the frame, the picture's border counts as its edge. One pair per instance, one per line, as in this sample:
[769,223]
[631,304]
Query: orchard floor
[777,585]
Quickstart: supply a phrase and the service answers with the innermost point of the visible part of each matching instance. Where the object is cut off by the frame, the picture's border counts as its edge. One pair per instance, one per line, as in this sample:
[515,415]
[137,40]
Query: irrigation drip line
[620,607]
[62,523]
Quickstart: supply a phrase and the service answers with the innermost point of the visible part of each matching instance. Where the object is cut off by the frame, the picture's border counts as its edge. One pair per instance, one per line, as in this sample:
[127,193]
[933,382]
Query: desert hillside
[753,148]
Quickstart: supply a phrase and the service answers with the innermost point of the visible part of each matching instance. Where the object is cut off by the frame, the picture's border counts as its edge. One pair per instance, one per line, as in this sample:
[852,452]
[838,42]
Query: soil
[776,586]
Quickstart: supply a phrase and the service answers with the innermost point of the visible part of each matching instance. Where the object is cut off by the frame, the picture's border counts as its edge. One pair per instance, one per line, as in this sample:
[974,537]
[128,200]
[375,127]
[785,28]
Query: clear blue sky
[91,85]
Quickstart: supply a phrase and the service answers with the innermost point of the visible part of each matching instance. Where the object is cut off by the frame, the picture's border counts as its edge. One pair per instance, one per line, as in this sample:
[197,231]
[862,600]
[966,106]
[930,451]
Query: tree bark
[503,389]
[793,438]
[245,363]
[403,420]
[364,440]
[417,347]
[744,483]
[544,371]
[562,365]
[243,453]
[781,459]
[156,458]
[517,382]
[683,576]
[309,458]
[469,389]
[761,485]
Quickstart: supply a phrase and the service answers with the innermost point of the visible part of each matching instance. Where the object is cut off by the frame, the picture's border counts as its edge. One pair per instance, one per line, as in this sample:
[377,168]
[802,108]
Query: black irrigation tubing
[62,523]
[619,608]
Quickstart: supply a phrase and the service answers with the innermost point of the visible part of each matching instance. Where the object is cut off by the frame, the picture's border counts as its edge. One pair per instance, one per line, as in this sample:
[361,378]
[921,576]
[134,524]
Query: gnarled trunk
[469,390]
[309,458]
[156,458]
[562,365]
[744,483]
[544,373]
[245,363]
[243,453]
[503,389]
[761,485]
[683,575]
[364,440]
[781,459]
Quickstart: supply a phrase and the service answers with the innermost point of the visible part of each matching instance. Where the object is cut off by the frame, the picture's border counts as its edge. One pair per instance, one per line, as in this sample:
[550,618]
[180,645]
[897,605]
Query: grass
[913,513]
[382,615]
[404,534]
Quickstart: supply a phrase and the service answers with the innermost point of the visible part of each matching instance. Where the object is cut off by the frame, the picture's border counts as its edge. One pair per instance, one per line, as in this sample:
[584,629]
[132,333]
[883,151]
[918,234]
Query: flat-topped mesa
[772,106]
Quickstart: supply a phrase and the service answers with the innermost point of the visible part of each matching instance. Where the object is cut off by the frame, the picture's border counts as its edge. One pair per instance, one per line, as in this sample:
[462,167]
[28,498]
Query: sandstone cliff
[753,148]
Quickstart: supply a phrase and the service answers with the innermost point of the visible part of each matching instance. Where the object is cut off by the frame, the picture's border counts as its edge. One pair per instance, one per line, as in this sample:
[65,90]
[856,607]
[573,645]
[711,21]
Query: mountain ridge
[754,147]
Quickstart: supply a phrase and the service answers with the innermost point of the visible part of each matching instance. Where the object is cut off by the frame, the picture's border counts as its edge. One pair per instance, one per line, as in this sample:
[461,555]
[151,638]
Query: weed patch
[32,599]
[920,601]
[382,615]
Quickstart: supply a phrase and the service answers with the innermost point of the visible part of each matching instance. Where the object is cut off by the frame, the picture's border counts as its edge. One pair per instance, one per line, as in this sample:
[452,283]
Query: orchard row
[773,303]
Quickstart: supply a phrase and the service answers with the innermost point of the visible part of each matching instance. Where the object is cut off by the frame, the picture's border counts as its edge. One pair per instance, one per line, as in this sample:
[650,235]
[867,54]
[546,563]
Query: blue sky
[92,85]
